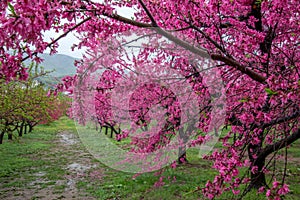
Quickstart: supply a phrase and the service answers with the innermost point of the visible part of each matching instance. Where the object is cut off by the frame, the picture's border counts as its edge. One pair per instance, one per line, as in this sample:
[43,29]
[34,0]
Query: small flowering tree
[254,42]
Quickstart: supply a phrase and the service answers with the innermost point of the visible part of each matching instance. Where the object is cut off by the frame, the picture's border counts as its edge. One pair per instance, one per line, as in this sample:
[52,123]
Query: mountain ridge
[59,64]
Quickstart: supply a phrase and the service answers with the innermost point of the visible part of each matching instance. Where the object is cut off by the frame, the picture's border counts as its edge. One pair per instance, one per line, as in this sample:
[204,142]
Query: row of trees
[25,104]
[255,44]
[155,107]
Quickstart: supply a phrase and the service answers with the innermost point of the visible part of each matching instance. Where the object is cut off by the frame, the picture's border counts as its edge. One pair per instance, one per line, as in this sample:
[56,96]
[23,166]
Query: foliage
[25,104]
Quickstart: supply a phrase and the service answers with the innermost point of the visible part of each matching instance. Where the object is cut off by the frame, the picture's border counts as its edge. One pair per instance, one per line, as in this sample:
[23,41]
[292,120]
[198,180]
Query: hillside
[59,65]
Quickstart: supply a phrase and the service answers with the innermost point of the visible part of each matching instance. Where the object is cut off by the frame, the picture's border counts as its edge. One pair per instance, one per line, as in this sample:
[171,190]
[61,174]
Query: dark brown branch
[279,145]
[283,119]
[148,13]
[198,51]
[127,21]
[208,38]
[252,74]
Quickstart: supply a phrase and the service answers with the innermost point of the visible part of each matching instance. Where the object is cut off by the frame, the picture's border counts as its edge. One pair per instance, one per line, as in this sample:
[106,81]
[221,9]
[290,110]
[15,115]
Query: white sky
[66,43]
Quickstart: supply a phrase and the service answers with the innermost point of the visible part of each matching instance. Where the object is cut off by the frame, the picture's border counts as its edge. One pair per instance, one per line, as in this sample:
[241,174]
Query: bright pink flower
[283,190]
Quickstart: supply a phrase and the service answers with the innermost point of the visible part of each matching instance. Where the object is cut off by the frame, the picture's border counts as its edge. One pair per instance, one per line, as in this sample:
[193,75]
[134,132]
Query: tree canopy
[252,44]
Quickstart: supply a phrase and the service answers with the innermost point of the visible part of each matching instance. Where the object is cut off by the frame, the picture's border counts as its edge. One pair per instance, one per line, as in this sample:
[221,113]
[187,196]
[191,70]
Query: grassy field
[52,163]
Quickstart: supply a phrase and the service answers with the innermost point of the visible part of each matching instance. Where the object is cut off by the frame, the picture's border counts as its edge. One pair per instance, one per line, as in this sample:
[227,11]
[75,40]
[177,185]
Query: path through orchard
[52,163]
[67,161]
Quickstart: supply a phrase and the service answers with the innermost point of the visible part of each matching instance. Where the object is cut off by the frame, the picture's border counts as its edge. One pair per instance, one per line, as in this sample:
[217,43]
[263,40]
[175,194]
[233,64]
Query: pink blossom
[283,190]
[275,184]
[235,192]
[268,193]
[261,189]
[259,69]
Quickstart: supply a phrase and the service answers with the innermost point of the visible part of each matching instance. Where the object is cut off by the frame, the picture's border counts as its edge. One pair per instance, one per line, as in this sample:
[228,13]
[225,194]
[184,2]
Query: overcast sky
[66,42]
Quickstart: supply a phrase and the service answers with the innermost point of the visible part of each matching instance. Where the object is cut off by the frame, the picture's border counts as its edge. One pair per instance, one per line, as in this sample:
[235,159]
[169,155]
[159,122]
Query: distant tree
[24,104]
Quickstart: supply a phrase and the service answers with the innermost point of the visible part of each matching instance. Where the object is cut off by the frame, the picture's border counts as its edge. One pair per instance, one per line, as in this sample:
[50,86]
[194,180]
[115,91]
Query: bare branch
[198,51]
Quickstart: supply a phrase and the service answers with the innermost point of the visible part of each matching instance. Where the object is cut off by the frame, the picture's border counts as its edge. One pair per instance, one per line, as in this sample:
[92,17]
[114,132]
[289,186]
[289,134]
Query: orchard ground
[52,163]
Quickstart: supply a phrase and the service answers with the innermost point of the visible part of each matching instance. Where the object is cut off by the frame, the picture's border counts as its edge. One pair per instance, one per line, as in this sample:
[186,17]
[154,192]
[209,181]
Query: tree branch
[279,145]
[127,21]
[198,51]
[229,61]
[148,13]
[61,36]
[281,120]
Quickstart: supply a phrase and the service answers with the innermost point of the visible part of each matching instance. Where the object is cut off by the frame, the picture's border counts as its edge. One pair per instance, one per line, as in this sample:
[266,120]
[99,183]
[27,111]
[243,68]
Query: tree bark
[10,136]
[21,129]
[280,144]
[258,179]
[182,149]
[182,155]
[106,130]
[111,133]
[1,137]
[30,128]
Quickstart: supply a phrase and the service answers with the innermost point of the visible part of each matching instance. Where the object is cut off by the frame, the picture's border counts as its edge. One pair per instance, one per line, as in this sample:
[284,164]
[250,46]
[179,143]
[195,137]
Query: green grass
[14,154]
[22,158]
[34,153]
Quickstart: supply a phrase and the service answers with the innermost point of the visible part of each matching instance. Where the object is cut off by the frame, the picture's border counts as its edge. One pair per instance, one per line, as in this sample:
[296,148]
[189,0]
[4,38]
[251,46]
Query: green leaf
[292,66]
[12,10]
[243,100]
[258,2]
[269,91]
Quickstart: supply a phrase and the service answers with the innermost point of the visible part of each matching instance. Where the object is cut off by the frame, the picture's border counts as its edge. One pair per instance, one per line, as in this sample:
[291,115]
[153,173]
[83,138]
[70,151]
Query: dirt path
[68,163]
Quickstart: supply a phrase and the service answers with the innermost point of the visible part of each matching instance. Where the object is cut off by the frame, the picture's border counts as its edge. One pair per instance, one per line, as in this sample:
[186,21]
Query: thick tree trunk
[21,130]
[30,128]
[118,132]
[111,133]
[10,136]
[182,149]
[25,129]
[1,137]
[258,179]
[106,130]
[182,155]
